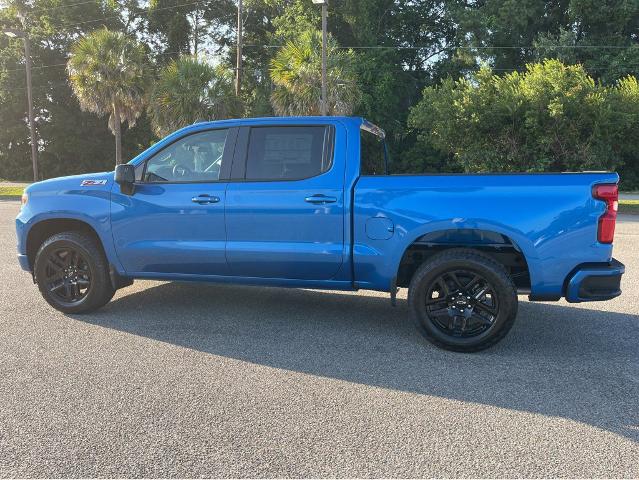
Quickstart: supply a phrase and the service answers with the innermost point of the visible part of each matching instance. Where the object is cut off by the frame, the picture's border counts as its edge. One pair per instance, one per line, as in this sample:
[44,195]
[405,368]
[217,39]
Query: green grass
[11,192]
[629,206]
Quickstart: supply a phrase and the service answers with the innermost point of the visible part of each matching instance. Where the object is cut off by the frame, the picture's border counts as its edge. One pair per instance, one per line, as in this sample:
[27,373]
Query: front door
[174,221]
[285,208]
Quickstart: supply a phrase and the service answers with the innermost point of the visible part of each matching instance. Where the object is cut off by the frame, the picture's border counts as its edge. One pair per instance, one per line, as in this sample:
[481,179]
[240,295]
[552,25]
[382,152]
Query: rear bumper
[595,282]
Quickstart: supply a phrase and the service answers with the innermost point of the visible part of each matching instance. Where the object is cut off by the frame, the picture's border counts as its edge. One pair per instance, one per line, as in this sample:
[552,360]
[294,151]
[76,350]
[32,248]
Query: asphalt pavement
[196,380]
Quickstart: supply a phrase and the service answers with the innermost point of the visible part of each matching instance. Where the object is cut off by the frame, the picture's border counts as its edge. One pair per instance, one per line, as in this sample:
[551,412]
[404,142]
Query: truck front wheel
[72,273]
[462,300]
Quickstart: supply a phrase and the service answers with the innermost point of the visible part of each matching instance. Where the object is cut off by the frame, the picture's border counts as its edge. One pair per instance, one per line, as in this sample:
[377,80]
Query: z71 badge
[92,183]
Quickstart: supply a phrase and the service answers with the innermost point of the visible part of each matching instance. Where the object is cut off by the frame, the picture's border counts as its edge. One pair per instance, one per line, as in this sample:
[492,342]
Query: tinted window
[372,153]
[287,153]
[196,158]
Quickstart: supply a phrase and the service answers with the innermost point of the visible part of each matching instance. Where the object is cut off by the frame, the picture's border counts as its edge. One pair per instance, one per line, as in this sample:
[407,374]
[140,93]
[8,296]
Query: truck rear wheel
[72,273]
[462,300]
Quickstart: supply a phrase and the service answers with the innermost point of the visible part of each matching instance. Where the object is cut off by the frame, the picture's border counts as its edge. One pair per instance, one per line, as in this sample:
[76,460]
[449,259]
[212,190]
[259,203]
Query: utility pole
[324,35]
[34,148]
[324,101]
[27,54]
[238,68]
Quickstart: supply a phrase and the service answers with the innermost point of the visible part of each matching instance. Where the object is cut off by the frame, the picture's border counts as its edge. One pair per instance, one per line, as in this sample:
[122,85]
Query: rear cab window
[373,154]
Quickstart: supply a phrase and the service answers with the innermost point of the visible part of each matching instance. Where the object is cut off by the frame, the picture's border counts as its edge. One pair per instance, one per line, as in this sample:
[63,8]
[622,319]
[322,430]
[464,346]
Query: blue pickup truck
[308,203]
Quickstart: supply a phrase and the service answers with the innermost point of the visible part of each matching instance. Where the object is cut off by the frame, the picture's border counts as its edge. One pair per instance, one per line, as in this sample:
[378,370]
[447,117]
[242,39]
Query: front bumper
[21,234]
[23,260]
[595,282]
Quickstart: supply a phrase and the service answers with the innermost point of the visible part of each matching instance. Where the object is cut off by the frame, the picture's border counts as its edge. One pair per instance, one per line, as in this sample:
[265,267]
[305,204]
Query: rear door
[285,202]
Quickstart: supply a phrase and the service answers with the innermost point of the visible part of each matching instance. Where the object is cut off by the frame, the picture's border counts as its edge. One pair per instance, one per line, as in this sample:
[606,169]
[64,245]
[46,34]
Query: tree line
[458,85]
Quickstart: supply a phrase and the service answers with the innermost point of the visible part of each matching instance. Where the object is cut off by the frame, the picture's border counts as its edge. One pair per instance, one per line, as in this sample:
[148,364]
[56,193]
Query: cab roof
[355,121]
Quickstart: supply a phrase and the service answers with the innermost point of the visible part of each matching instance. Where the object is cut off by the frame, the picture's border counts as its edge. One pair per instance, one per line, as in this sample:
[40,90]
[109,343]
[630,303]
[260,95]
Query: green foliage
[180,27]
[62,128]
[296,74]
[503,31]
[395,50]
[600,35]
[624,101]
[188,90]
[107,72]
[298,17]
[105,69]
[552,117]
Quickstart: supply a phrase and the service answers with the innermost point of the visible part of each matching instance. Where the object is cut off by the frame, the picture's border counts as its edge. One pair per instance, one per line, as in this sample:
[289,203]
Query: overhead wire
[37,67]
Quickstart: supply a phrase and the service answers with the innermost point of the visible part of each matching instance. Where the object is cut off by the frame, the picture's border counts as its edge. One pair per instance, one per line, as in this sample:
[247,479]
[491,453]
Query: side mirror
[125,177]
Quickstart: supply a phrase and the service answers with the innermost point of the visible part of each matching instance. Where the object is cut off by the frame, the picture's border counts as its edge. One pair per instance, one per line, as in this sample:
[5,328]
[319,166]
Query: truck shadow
[558,360]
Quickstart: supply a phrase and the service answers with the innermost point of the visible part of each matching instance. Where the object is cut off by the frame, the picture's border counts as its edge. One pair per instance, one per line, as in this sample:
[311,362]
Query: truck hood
[74,184]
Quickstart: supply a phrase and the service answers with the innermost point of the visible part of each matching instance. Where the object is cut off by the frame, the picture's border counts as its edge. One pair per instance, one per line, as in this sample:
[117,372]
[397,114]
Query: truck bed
[551,218]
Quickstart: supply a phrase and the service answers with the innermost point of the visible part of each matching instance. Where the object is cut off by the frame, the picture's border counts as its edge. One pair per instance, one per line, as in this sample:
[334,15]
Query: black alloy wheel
[462,303]
[72,272]
[462,300]
[67,275]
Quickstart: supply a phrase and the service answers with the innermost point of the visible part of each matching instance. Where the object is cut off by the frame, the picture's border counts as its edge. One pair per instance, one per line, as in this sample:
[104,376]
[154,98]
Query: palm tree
[189,90]
[107,71]
[296,72]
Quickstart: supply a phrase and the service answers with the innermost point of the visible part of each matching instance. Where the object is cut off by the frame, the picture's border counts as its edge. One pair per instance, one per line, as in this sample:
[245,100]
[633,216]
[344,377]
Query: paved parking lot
[205,380]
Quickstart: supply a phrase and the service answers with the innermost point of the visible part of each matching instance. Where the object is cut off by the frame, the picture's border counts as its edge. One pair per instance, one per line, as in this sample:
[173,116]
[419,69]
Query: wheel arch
[47,227]
[509,248]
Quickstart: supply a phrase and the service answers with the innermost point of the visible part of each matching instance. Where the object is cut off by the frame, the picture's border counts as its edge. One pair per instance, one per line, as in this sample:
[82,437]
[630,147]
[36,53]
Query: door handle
[205,199]
[320,199]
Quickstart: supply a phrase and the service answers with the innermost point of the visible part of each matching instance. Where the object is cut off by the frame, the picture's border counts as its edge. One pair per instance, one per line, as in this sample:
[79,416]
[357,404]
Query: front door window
[195,158]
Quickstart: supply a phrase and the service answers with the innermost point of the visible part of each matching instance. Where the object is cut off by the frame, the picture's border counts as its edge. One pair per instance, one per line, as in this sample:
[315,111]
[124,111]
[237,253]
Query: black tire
[462,300]
[72,273]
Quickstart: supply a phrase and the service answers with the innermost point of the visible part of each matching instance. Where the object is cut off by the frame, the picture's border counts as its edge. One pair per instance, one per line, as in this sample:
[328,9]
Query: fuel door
[379,228]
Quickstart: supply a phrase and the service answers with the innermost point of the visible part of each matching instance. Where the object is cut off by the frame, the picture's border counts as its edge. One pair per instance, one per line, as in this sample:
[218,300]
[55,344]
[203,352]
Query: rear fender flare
[518,238]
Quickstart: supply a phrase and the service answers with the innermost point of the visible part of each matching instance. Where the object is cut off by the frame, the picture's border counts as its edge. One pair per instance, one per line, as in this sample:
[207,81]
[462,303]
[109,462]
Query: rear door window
[288,153]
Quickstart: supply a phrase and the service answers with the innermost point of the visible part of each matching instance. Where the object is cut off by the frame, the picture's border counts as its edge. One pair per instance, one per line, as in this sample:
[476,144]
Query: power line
[505,70]
[112,17]
[153,68]
[40,67]
[370,47]
[593,68]
[63,6]
[396,47]
[547,47]
[39,87]
[37,67]
[256,71]
[390,47]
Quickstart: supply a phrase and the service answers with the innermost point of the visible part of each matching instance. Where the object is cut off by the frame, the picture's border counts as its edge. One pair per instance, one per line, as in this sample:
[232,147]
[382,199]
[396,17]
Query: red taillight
[610,195]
